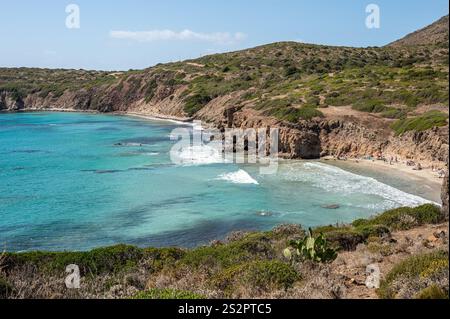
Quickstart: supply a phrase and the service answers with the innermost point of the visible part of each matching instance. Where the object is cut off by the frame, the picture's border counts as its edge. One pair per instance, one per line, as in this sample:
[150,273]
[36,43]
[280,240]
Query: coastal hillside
[409,246]
[339,101]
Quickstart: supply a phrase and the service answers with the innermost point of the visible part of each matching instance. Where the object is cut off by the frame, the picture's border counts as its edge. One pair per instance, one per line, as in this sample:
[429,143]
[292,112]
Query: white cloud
[224,38]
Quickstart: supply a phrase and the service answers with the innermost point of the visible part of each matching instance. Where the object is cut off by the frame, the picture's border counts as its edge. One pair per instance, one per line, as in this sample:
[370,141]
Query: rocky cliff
[307,139]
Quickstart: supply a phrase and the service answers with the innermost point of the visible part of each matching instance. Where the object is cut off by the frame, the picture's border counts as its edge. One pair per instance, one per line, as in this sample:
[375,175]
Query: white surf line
[372,186]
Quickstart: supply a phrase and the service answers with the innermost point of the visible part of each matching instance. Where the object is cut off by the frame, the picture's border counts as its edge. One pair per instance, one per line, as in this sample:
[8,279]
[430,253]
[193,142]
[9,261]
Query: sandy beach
[155,117]
[426,172]
[426,177]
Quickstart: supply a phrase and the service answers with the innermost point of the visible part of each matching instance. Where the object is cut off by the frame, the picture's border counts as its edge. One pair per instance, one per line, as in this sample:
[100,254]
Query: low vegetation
[112,260]
[424,277]
[420,123]
[265,275]
[167,294]
[245,264]
[347,237]
[404,218]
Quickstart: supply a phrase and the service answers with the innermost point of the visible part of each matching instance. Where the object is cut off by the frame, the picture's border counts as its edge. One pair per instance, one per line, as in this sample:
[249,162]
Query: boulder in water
[331,206]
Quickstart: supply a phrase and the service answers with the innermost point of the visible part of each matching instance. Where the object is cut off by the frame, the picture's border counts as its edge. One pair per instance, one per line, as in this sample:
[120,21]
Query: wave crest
[239,177]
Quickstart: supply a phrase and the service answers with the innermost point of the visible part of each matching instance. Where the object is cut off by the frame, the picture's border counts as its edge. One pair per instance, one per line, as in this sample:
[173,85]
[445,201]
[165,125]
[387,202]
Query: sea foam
[239,177]
[198,155]
[334,179]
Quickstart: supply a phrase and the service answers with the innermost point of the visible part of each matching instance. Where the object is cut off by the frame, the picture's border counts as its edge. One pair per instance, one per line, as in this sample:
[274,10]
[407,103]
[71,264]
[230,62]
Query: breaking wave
[333,179]
[239,177]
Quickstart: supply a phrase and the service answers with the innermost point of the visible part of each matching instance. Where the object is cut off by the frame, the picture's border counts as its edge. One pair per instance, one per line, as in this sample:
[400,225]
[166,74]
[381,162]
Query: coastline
[428,179]
[157,117]
[400,167]
[425,175]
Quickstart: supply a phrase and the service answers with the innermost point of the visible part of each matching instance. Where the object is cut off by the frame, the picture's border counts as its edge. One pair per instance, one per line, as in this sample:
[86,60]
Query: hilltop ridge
[434,34]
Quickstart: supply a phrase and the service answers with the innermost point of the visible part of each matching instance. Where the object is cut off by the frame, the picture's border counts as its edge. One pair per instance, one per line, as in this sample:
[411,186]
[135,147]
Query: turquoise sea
[71,181]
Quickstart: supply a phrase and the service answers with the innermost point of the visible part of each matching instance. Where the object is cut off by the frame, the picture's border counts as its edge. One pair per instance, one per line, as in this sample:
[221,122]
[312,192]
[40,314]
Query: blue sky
[119,34]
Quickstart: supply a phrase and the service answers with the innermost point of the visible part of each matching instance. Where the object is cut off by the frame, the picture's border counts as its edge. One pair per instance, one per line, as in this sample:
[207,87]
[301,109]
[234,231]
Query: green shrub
[196,102]
[290,71]
[253,246]
[415,273]
[420,123]
[371,106]
[262,275]
[101,260]
[161,257]
[345,238]
[432,292]
[394,113]
[307,113]
[348,237]
[167,294]
[373,230]
[404,218]
[5,288]
[150,90]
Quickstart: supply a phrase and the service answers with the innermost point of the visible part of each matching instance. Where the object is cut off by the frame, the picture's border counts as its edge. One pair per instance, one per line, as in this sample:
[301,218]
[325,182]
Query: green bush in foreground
[5,288]
[347,237]
[413,276]
[432,292]
[167,294]
[263,275]
[98,261]
[251,247]
[404,218]
[420,123]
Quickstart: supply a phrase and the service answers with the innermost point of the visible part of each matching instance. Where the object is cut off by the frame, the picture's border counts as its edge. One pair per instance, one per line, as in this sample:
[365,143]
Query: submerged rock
[331,206]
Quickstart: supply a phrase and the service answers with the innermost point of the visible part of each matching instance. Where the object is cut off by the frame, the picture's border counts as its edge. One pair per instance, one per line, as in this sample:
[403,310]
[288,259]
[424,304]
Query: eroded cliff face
[349,139]
[330,137]
[9,102]
[306,140]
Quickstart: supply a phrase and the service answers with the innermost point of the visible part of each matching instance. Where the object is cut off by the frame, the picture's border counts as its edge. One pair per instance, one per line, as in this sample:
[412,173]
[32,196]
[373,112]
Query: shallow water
[71,181]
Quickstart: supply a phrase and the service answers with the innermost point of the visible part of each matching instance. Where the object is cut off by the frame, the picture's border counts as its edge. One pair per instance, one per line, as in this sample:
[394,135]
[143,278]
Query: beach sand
[429,180]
